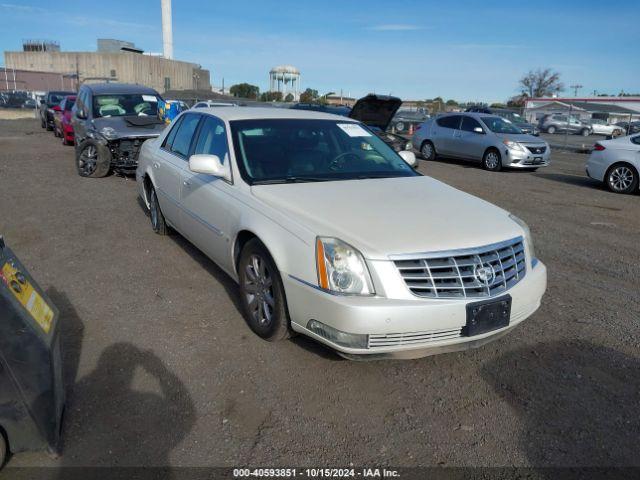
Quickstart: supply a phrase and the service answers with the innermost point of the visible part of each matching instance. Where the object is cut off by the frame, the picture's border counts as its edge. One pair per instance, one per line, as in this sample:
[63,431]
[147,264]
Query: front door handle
[186,184]
[156,165]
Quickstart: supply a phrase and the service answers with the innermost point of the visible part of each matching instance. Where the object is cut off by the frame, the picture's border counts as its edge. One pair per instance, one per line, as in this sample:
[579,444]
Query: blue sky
[467,50]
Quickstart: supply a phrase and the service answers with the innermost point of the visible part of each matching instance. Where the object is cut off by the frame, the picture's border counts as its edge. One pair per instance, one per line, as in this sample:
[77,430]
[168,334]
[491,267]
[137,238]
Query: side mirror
[409,157]
[478,130]
[209,165]
[81,114]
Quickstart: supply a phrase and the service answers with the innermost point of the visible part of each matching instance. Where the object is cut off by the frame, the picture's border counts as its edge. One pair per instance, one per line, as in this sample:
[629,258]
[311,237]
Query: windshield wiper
[274,181]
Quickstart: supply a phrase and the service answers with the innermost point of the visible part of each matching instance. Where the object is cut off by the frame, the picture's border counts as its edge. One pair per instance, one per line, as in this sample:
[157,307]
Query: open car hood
[376,110]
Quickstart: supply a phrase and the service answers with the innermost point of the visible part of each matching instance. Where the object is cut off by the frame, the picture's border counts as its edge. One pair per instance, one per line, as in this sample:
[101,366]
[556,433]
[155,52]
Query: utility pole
[576,87]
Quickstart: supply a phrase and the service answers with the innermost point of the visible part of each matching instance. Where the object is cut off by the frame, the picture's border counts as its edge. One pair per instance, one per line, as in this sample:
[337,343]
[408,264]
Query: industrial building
[124,66]
[114,61]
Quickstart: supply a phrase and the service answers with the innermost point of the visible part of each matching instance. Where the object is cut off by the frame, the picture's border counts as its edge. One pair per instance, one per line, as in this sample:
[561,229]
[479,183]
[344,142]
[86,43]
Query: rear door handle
[186,184]
[156,165]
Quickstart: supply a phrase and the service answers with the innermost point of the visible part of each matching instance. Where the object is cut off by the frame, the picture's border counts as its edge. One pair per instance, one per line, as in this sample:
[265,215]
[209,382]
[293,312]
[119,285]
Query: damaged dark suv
[110,122]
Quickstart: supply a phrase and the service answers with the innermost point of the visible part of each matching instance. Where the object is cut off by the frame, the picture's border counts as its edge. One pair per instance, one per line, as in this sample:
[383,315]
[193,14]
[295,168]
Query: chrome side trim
[453,253]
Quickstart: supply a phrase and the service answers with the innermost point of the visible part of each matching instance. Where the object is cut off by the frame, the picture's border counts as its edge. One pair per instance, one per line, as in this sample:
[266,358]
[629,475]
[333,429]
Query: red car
[62,120]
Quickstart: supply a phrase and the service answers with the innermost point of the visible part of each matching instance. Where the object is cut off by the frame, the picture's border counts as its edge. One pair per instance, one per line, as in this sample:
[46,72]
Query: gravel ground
[162,370]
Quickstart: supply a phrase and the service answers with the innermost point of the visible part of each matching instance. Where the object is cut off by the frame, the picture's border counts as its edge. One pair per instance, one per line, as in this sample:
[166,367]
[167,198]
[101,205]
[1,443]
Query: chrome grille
[470,273]
[411,338]
[537,150]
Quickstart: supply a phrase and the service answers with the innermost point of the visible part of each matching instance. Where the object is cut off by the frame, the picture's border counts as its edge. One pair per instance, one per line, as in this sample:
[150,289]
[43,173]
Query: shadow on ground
[579,402]
[571,180]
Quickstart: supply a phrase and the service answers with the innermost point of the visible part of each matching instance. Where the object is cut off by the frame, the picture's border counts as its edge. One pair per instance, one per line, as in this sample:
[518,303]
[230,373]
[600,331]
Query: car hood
[376,110]
[382,217]
[131,126]
[522,137]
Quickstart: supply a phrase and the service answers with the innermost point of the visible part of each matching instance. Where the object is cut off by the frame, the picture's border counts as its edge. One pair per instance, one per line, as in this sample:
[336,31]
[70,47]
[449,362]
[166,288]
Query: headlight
[527,234]
[514,145]
[341,268]
[108,133]
[408,147]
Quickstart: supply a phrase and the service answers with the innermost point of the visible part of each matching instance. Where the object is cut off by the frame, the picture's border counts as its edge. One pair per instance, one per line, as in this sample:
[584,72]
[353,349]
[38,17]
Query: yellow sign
[31,300]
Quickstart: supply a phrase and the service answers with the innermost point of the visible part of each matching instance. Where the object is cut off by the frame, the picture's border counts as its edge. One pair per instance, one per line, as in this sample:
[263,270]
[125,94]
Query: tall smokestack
[167,29]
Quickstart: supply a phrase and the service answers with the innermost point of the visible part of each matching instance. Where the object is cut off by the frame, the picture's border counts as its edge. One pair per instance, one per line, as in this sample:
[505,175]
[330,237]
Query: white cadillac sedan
[332,234]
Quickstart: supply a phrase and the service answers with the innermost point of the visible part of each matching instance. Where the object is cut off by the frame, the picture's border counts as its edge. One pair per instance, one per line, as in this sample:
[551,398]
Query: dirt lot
[162,369]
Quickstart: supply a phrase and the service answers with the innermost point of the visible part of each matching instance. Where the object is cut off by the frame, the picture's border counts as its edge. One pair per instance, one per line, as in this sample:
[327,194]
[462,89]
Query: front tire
[622,178]
[262,293]
[492,161]
[551,130]
[428,151]
[93,159]
[584,132]
[158,222]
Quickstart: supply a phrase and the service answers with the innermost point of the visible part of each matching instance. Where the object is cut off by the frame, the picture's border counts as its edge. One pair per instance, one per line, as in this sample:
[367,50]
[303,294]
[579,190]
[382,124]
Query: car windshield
[118,105]
[292,150]
[500,125]
[69,104]
[55,99]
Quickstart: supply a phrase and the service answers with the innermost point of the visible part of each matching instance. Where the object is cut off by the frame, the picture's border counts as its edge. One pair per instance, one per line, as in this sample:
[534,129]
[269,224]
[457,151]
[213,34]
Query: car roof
[100,88]
[258,113]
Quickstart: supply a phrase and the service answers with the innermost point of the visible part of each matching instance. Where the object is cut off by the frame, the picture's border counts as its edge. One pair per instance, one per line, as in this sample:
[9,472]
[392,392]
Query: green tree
[497,105]
[451,103]
[289,98]
[309,96]
[271,97]
[245,90]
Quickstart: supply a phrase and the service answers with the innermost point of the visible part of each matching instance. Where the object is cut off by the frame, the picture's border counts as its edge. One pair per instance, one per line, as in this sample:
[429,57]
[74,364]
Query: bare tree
[541,83]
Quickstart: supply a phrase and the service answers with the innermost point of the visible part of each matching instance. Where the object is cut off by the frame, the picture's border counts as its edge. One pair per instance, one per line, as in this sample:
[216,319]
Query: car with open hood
[378,112]
[110,122]
[331,234]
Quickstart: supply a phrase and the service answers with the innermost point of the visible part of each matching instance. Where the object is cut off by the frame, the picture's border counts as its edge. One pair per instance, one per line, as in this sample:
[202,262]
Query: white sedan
[331,234]
[616,163]
[600,127]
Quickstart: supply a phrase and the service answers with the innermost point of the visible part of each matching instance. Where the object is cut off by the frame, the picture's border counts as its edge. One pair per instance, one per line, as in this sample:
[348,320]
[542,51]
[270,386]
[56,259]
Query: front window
[292,150]
[123,104]
[500,125]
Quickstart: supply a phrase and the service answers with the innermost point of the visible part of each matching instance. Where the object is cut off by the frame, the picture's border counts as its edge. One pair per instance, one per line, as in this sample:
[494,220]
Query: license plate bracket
[483,317]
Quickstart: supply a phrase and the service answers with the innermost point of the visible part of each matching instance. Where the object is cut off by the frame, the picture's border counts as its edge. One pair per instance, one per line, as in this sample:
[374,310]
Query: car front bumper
[525,159]
[403,328]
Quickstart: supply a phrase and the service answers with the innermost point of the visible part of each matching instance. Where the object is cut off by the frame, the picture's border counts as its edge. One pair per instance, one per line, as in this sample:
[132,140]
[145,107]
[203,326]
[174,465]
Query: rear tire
[93,159]
[262,293]
[622,178]
[492,161]
[584,132]
[428,150]
[4,450]
[158,222]
[551,130]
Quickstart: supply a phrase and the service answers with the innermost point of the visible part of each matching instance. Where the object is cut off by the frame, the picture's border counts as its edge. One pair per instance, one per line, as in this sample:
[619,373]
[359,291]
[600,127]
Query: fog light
[350,340]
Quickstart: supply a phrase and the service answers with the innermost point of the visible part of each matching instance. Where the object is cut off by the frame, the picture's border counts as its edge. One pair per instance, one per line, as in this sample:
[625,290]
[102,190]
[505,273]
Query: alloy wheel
[258,289]
[492,160]
[427,150]
[88,160]
[621,178]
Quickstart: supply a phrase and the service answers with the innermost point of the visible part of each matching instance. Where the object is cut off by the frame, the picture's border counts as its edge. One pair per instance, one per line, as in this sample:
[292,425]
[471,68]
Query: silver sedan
[490,139]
